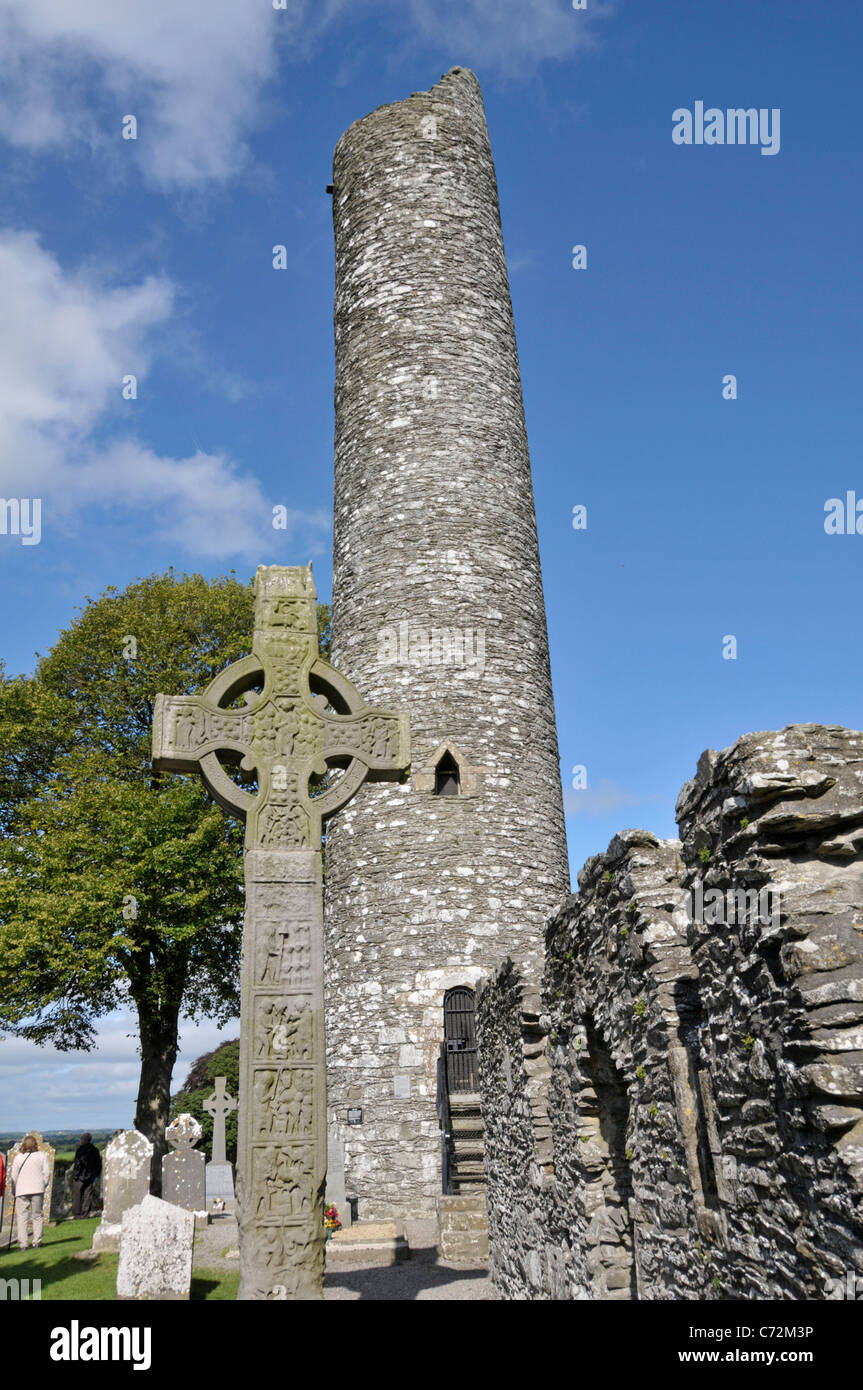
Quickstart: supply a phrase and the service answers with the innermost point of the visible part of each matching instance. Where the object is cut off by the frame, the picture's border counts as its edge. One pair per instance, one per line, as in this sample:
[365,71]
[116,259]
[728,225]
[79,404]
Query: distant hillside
[60,1139]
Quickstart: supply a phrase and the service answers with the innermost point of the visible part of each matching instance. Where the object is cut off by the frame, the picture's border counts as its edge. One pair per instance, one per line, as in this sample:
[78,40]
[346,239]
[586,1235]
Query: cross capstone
[300,719]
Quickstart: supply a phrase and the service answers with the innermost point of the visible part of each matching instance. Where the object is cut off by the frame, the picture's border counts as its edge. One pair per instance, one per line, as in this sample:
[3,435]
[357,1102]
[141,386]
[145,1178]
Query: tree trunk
[158,1033]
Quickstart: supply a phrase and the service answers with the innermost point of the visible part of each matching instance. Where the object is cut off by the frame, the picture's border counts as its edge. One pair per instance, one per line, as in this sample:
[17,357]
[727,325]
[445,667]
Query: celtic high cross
[220,1105]
[299,720]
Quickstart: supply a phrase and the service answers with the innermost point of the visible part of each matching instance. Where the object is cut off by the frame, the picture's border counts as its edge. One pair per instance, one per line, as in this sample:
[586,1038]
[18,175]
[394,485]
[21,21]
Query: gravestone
[301,719]
[184,1170]
[336,1180]
[125,1183]
[47,1201]
[220,1175]
[61,1190]
[156,1243]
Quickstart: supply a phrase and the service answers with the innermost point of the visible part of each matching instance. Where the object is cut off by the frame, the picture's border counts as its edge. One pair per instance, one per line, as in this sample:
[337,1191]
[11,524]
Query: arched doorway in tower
[459,1030]
[458,1094]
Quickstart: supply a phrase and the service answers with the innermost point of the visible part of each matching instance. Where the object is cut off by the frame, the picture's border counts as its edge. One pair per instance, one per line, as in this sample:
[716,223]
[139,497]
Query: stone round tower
[437,610]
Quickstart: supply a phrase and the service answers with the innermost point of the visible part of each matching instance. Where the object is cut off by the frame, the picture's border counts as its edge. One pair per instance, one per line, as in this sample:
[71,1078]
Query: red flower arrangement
[331,1220]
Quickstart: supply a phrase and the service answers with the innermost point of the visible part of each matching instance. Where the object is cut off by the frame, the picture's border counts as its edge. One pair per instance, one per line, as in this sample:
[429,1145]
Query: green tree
[119,888]
[34,726]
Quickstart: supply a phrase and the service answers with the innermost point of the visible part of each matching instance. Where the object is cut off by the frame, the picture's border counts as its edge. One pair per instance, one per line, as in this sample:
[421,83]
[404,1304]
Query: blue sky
[153,257]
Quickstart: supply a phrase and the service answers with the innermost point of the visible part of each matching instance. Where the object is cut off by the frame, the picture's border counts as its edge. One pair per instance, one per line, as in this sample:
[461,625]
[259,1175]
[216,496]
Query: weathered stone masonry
[435,554]
[678,1111]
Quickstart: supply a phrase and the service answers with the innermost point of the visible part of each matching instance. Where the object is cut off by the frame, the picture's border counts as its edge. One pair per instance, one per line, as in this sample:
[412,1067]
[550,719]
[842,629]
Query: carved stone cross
[300,719]
[220,1105]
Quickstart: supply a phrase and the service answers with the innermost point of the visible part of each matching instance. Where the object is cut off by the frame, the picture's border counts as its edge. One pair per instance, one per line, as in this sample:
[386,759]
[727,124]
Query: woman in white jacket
[29,1177]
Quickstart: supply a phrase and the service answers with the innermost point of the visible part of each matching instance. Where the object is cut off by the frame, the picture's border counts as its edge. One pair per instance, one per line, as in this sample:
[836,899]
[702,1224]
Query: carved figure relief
[283,1103]
[283,1256]
[283,827]
[284,955]
[284,1034]
[283,1181]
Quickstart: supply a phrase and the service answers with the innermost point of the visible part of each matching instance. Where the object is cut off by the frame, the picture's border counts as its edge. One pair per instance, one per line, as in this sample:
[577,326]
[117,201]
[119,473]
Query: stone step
[466,1100]
[464,1248]
[451,1204]
[463,1225]
[465,1221]
[367,1243]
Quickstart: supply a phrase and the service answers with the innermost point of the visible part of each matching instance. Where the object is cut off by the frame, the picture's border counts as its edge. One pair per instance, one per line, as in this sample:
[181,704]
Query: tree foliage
[117,885]
[120,888]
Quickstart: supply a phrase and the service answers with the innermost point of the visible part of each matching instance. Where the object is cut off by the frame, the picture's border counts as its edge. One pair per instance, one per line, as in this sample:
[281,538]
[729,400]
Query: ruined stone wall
[783,1003]
[613,1206]
[697,1130]
[437,610]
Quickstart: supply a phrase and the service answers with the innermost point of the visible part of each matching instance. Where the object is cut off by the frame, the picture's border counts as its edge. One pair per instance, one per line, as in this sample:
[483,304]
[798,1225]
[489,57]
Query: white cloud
[195,72]
[510,37]
[66,342]
[41,1088]
[601,800]
[191,71]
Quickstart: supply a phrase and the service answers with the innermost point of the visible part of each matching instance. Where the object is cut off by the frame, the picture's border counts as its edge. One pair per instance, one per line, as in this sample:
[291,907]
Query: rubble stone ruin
[674,1105]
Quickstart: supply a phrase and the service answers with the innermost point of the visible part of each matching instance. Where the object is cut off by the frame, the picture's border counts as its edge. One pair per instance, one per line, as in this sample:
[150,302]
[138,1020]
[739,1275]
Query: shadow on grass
[64,1278]
[209,1285]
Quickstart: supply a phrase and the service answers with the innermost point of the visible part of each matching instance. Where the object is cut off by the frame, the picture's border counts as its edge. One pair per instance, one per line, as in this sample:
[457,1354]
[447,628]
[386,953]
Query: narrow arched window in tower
[446,780]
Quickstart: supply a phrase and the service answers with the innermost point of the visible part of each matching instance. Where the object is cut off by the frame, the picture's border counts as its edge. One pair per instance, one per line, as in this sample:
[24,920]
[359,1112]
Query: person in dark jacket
[85,1171]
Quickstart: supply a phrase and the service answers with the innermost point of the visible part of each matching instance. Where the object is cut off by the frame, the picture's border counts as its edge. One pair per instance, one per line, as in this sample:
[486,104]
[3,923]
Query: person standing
[29,1176]
[85,1171]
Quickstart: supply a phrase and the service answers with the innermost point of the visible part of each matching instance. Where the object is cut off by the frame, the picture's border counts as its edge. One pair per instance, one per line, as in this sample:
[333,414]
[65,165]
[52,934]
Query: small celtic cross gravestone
[300,719]
[220,1177]
[184,1170]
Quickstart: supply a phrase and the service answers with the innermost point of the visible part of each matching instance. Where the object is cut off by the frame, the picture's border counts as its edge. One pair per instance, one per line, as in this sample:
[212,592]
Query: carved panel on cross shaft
[282,1182]
[284,1032]
[284,955]
[295,902]
[296,613]
[283,827]
[282,1255]
[283,1103]
[285,664]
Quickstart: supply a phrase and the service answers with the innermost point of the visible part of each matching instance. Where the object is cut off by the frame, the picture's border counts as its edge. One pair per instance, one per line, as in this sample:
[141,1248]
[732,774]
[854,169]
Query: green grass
[87,1281]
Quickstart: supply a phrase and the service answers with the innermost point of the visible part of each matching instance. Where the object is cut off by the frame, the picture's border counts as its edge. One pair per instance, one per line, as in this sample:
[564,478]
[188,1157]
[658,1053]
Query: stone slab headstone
[336,1180]
[61,1190]
[301,719]
[184,1170]
[13,1153]
[125,1183]
[220,1174]
[156,1244]
[220,1182]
